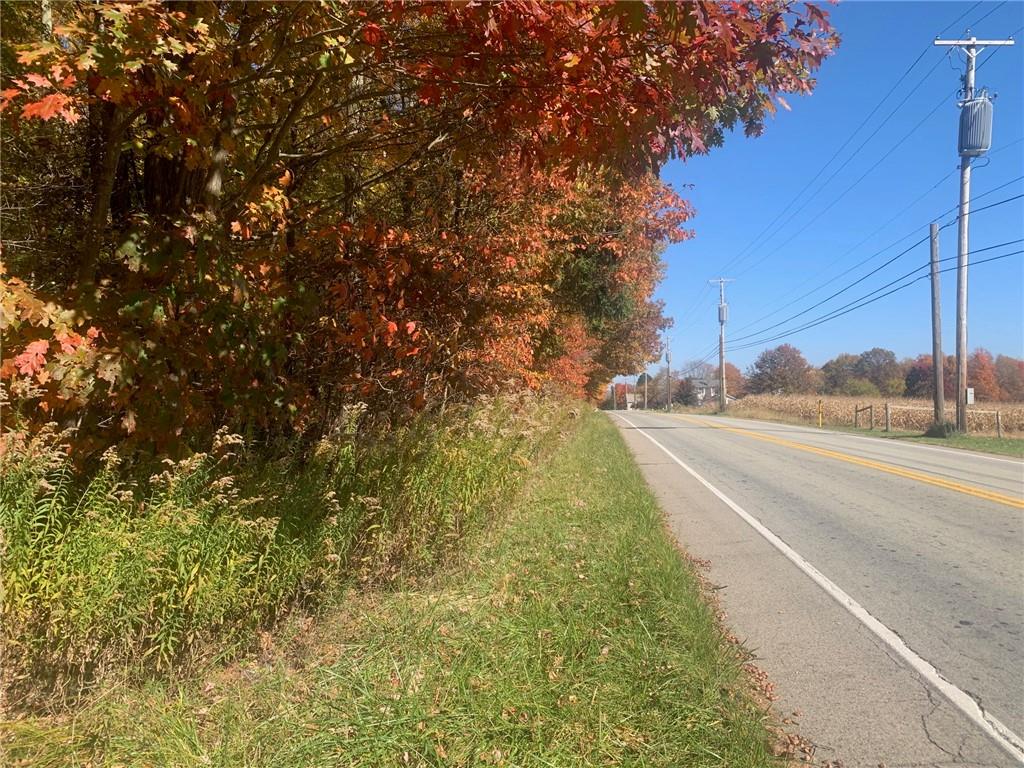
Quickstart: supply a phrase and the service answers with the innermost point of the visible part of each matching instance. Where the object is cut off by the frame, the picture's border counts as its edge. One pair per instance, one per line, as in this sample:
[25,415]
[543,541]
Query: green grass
[571,633]
[149,578]
[1003,446]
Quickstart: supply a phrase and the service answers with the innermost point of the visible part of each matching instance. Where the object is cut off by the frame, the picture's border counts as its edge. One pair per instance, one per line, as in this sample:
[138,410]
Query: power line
[874,271]
[996,8]
[886,248]
[866,173]
[837,313]
[776,221]
[698,303]
[958,18]
[849,189]
[996,50]
[739,257]
[847,141]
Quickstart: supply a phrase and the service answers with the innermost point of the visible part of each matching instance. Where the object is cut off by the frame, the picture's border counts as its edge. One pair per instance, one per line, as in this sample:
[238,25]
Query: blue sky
[739,189]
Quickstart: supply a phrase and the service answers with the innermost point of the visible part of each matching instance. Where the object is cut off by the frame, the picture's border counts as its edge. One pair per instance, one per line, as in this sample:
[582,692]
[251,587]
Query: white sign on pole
[970,395]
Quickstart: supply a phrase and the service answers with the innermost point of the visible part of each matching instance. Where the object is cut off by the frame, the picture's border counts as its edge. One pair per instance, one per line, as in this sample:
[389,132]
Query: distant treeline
[875,372]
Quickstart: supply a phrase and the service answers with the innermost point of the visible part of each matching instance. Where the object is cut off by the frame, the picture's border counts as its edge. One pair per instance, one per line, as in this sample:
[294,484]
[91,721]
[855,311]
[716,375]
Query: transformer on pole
[723,317]
[975,138]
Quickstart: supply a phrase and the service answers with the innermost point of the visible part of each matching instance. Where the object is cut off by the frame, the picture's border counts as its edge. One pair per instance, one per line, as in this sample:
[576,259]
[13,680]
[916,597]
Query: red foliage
[293,206]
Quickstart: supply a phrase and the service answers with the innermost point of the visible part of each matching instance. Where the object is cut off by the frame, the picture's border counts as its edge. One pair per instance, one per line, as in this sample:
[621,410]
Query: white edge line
[1007,739]
[922,446]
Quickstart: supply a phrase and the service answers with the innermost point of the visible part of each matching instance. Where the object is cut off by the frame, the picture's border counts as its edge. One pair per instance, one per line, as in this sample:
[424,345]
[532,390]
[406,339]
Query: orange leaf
[51,106]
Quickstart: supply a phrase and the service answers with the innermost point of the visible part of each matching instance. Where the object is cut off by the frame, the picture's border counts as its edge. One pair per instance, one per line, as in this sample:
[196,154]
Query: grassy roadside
[1002,446]
[114,575]
[570,634]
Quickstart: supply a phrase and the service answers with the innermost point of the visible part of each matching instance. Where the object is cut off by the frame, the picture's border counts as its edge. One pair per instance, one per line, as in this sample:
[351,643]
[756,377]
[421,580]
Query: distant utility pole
[723,316]
[975,140]
[646,377]
[938,377]
[668,378]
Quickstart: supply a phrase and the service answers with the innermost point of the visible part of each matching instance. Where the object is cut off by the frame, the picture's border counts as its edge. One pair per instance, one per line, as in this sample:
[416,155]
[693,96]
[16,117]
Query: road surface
[880,583]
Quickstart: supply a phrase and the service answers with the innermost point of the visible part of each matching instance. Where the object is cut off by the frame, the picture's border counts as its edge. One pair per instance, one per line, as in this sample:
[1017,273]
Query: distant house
[704,390]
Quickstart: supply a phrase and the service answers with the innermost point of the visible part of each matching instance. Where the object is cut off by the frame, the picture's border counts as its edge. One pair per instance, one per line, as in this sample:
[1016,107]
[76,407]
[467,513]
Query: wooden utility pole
[970,47]
[668,379]
[938,362]
[723,316]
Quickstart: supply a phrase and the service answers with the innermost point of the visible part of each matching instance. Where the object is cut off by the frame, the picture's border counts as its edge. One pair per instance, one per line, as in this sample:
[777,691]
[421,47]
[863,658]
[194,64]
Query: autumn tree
[255,213]
[838,372]
[735,382]
[919,378]
[880,367]
[1010,377]
[981,374]
[780,370]
[685,393]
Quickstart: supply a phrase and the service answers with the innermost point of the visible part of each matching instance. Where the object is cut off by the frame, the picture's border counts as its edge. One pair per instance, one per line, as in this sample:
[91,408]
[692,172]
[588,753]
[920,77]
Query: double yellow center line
[920,477]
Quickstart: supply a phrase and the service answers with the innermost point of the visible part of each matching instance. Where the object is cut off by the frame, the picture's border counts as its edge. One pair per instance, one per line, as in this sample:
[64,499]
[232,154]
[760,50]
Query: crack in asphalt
[924,725]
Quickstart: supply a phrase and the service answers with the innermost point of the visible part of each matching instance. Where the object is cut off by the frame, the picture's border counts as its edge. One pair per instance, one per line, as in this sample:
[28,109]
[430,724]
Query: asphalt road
[909,648]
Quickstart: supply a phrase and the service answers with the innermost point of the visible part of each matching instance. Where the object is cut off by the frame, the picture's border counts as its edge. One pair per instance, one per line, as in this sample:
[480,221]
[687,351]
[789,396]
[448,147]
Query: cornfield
[906,414]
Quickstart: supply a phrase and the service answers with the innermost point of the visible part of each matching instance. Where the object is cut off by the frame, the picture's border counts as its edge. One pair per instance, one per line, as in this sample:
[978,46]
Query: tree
[685,393]
[918,380]
[981,374]
[696,369]
[860,388]
[735,382]
[657,391]
[837,373]
[621,392]
[782,369]
[1010,376]
[880,367]
[264,211]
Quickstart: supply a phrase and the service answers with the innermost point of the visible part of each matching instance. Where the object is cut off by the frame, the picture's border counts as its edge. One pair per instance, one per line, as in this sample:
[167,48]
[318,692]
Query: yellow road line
[949,485]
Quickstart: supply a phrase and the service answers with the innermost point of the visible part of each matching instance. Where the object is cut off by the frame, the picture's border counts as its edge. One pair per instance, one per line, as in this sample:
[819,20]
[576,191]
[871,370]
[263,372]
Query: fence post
[888,420]
[856,417]
[871,415]
[819,413]
[999,424]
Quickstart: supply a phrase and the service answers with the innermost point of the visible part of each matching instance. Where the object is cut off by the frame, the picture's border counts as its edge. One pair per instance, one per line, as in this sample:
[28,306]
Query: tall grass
[572,634]
[135,576]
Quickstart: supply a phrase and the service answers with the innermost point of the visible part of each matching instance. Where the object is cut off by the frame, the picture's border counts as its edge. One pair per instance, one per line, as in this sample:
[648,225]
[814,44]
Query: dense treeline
[254,214]
[874,373]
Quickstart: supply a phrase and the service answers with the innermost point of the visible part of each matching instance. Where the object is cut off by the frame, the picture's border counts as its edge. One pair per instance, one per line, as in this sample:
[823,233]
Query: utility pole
[646,377]
[668,379]
[723,316]
[972,143]
[939,397]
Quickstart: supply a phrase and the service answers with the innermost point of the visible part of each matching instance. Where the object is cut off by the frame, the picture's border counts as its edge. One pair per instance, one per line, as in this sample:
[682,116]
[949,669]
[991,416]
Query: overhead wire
[836,200]
[996,8]
[846,142]
[836,314]
[774,225]
[868,274]
[961,16]
[849,189]
[882,250]
[744,253]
